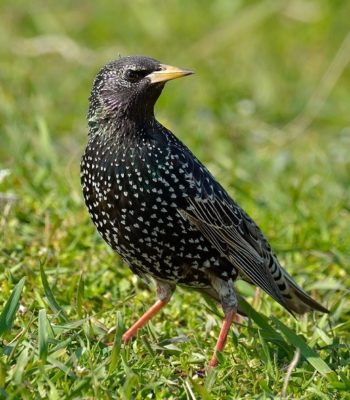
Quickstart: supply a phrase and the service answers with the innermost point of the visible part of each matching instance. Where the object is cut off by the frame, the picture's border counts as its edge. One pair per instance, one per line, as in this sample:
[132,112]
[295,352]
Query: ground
[267,111]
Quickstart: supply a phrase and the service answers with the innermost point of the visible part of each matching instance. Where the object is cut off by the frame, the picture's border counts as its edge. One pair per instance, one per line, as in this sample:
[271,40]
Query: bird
[160,208]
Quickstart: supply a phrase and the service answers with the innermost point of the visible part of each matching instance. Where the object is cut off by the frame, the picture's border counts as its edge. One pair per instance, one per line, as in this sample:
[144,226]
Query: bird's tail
[295,299]
[298,300]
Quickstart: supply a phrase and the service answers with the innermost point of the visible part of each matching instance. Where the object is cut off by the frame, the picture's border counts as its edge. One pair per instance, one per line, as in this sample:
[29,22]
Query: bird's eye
[133,76]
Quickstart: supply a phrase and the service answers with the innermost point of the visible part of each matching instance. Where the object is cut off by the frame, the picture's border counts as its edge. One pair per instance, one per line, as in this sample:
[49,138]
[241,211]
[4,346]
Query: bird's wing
[209,208]
[225,225]
[238,240]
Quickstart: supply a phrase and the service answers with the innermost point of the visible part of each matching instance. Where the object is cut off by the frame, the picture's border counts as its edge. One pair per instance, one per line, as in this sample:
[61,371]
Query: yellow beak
[167,73]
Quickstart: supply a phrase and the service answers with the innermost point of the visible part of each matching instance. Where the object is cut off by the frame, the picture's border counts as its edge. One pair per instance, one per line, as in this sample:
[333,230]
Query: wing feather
[242,255]
[208,207]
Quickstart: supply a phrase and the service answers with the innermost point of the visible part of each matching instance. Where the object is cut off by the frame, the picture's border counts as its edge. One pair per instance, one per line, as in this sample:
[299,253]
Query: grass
[267,112]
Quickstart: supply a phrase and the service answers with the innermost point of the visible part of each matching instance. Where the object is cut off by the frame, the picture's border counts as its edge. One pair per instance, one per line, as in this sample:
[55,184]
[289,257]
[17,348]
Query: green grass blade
[55,307]
[117,343]
[21,363]
[43,335]
[9,312]
[80,296]
[306,351]
[260,320]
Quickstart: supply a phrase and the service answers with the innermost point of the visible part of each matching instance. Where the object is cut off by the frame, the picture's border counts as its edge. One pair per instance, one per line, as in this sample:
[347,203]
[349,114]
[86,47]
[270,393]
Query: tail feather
[300,302]
[295,299]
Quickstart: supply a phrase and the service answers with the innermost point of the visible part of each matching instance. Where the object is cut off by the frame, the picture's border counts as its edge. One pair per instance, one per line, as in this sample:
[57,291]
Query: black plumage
[156,205]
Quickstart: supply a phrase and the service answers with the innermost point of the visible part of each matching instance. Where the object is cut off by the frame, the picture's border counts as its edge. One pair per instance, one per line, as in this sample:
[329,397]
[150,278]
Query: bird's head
[129,87]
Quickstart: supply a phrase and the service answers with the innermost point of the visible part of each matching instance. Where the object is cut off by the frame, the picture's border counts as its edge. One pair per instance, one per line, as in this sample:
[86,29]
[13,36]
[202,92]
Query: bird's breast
[134,197]
[133,200]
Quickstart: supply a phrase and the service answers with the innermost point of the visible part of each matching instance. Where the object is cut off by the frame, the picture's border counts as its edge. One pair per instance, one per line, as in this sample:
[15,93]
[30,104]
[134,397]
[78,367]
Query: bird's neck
[113,114]
[119,120]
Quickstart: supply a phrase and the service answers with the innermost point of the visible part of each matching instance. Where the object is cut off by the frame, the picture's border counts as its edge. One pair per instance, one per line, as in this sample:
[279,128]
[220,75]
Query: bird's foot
[230,316]
[159,304]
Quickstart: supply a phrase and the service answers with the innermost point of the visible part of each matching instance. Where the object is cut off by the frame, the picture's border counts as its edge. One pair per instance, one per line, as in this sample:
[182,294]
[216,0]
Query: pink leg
[159,304]
[220,344]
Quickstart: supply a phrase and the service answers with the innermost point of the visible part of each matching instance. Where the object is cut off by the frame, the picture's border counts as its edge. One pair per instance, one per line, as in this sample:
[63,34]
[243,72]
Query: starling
[160,208]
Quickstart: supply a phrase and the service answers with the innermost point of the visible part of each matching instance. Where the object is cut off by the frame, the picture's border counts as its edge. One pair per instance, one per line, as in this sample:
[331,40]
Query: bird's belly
[144,226]
[157,241]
